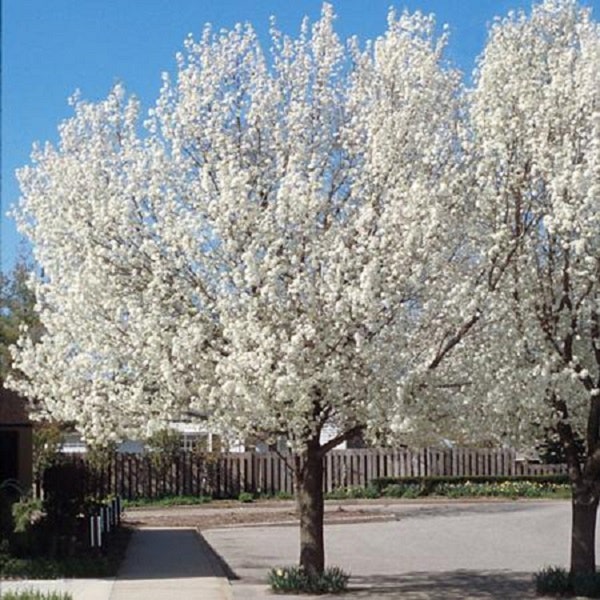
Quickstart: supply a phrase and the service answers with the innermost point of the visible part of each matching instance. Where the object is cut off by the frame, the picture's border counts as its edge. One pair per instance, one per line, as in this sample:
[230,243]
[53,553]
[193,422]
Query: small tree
[16,309]
[164,448]
[48,438]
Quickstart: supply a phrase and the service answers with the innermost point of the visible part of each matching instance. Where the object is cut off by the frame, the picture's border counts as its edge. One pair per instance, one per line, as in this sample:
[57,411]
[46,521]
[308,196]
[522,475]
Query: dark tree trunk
[583,532]
[584,473]
[309,490]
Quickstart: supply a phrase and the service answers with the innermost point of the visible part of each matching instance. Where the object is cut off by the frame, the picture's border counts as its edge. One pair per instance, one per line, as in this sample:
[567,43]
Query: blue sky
[50,48]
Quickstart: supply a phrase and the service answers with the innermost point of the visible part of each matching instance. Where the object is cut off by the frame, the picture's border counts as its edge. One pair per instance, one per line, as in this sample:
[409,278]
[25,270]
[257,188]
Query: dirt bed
[234,514]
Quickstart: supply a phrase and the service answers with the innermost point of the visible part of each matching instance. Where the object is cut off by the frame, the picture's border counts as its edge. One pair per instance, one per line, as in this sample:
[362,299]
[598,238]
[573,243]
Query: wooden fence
[226,475]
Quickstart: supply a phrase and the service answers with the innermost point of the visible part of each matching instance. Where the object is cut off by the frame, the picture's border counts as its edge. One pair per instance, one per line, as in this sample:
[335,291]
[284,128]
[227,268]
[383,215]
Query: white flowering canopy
[302,238]
[535,130]
[536,114]
[283,247]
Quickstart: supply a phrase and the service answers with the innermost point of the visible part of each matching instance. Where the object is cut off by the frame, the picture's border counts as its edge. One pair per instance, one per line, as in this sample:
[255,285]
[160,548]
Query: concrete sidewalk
[170,564]
[161,564]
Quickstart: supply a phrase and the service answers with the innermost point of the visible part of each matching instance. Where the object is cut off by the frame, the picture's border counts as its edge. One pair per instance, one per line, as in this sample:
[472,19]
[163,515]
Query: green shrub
[65,491]
[394,490]
[167,501]
[246,497]
[295,579]
[65,486]
[87,562]
[36,595]
[552,581]
[353,492]
[336,494]
[284,496]
[462,487]
[24,512]
[414,491]
[382,482]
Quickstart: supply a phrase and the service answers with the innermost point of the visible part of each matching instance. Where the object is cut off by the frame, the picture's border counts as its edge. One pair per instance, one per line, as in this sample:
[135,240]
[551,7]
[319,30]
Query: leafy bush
[65,499]
[87,563]
[394,490]
[284,496]
[462,487]
[428,482]
[36,595]
[65,491]
[552,581]
[556,581]
[167,501]
[24,512]
[246,497]
[296,579]
[25,539]
[353,492]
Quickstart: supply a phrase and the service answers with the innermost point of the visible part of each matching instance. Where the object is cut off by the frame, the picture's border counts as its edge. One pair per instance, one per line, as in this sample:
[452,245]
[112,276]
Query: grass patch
[295,580]
[89,563]
[36,595]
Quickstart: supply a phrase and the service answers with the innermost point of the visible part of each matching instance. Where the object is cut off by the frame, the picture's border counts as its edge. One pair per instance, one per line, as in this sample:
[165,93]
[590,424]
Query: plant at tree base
[297,580]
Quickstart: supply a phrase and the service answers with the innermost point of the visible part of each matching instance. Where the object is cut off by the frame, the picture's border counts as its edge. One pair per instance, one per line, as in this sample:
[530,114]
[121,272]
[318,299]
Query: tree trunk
[309,490]
[583,531]
[584,474]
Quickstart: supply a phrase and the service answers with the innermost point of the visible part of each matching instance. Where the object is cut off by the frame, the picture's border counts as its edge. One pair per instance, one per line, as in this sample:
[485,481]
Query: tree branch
[325,448]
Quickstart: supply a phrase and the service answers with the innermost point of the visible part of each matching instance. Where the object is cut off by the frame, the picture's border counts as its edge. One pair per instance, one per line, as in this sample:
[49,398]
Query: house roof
[12,408]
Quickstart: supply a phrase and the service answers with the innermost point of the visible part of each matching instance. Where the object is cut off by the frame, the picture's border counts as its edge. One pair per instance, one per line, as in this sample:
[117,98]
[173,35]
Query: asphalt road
[442,551]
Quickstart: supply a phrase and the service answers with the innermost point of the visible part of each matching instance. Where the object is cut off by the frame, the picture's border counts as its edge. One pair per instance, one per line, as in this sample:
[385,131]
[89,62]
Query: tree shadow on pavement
[171,553]
[451,585]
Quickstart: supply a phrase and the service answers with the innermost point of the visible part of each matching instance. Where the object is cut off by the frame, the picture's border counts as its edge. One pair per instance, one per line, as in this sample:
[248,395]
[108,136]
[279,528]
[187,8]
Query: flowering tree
[530,365]
[282,249]
[536,121]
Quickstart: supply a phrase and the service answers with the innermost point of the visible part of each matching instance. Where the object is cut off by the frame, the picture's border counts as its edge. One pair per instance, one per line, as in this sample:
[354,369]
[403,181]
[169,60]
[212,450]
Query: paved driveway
[446,552]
